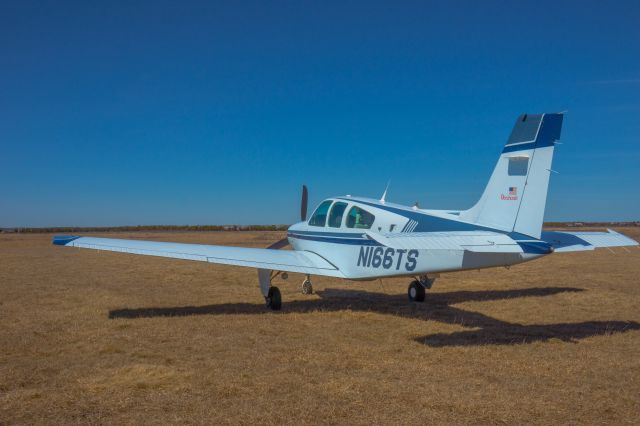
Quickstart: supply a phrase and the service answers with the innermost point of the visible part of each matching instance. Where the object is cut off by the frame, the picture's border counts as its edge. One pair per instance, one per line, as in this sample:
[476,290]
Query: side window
[358,218]
[335,217]
[319,217]
[518,166]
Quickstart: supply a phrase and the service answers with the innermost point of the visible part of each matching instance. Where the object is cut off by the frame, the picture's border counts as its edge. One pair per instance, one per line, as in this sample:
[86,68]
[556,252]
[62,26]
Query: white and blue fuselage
[359,256]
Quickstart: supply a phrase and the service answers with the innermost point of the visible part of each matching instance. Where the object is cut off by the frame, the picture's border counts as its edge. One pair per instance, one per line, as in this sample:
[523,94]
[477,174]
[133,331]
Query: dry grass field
[107,338]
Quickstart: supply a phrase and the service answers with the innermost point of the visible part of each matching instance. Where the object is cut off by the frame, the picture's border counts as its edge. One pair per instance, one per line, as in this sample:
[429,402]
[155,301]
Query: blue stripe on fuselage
[535,247]
[530,244]
[336,240]
[330,234]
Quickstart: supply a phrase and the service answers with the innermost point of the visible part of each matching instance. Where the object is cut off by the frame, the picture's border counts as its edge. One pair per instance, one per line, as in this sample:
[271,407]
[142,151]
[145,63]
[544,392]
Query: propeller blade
[279,244]
[303,205]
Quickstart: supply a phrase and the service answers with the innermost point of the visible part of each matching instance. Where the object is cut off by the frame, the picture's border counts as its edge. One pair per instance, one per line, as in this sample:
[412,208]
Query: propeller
[279,244]
[303,216]
[303,204]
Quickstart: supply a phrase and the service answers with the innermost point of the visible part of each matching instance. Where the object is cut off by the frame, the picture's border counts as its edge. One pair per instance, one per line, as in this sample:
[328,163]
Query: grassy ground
[96,337]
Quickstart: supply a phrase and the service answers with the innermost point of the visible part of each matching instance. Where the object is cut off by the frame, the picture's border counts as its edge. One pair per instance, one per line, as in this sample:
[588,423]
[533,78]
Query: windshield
[319,217]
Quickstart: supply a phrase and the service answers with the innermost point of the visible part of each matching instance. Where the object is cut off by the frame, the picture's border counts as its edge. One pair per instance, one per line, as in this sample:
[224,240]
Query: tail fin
[515,197]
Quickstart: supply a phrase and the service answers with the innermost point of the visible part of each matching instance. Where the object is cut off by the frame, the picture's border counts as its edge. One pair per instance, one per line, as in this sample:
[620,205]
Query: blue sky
[217,112]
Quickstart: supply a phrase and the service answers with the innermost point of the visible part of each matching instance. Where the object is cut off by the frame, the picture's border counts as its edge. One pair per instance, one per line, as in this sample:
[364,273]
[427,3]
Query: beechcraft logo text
[512,194]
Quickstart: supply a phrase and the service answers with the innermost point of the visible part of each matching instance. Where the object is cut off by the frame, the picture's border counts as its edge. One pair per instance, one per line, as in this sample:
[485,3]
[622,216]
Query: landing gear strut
[417,288]
[307,288]
[272,296]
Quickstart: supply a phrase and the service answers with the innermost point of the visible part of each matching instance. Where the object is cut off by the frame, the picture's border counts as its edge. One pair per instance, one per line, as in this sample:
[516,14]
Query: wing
[476,241]
[280,260]
[580,241]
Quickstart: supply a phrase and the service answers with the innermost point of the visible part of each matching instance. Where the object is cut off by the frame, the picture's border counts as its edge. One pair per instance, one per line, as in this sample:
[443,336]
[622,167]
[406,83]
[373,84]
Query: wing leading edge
[280,260]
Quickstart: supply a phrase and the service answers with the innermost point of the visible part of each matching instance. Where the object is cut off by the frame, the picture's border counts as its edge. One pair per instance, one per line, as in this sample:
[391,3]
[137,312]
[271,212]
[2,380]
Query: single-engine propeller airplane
[364,239]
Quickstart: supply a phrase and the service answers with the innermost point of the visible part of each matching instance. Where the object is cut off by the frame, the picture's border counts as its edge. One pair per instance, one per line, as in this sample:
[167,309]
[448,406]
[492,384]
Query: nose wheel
[307,288]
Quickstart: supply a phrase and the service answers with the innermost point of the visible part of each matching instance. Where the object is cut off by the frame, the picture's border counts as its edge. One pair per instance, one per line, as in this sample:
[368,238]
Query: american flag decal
[513,191]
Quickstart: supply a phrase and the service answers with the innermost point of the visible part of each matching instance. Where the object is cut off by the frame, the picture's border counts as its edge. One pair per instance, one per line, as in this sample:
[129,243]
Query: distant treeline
[589,224]
[74,229]
[148,228]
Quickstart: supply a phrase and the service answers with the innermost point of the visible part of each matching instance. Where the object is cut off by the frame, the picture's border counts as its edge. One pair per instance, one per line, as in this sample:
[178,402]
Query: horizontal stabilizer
[580,241]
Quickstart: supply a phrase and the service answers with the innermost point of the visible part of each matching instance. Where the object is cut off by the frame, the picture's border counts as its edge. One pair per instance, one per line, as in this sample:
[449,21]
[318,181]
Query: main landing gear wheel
[274,299]
[416,291]
[307,288]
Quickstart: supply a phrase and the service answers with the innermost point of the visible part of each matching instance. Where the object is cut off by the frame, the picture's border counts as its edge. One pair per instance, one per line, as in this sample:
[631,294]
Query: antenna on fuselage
[383,199]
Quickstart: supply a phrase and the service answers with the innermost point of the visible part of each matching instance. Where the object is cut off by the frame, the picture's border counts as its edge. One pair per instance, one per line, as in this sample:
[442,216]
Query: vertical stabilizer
[515,197]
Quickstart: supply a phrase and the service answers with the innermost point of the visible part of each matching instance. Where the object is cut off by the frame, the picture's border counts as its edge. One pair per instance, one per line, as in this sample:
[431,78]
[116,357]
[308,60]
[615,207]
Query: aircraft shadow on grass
[484,330]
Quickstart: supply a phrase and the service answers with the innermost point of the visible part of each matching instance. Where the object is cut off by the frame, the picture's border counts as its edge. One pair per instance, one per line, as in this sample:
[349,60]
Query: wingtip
[63,240]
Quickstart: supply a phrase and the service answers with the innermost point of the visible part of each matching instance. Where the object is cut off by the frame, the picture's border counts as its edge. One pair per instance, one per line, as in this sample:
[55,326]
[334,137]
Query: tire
[274,299]
[416,291]
[307,288]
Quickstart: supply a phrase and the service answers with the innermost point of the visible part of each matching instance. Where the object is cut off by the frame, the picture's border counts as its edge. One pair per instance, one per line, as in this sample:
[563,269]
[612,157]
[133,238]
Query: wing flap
[580,241]
[281,260]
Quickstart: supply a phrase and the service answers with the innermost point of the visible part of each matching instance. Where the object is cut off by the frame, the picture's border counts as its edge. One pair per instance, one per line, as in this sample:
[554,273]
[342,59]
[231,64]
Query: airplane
[359,238]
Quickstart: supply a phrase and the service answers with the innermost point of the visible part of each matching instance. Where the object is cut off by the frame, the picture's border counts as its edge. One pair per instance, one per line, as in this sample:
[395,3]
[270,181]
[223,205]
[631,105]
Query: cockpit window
[359,218]
[335,217]
[319,217]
